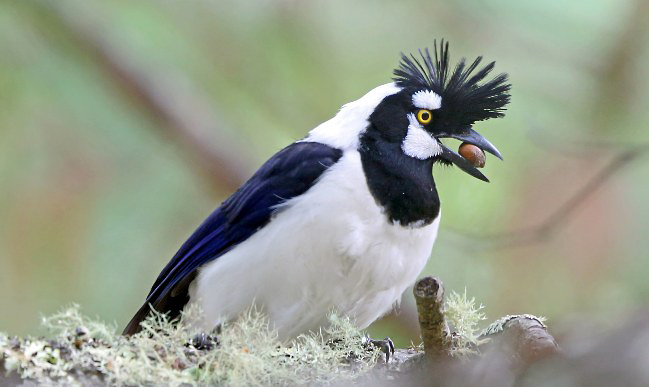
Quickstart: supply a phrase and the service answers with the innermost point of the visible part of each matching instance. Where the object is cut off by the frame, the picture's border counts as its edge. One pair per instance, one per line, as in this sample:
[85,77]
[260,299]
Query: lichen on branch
[248,353]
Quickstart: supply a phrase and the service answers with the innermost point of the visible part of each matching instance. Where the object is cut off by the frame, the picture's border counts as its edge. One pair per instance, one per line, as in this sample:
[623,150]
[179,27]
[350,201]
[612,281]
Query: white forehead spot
[426,99]
[418,143]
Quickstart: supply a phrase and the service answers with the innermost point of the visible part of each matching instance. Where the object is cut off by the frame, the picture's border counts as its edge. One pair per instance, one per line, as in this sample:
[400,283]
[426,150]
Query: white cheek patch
[426,99]
[418,143]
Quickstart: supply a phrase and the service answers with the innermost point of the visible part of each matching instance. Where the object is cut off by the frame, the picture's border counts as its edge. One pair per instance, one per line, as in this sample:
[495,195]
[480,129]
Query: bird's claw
[386,345]
[203,341]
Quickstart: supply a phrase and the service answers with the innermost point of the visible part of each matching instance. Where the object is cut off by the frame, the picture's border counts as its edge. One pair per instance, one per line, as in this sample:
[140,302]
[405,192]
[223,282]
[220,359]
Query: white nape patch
[343,131]
[418,143]
[426,99]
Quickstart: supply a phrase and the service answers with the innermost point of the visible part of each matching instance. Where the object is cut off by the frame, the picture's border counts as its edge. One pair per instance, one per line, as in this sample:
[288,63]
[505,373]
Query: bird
[343,219]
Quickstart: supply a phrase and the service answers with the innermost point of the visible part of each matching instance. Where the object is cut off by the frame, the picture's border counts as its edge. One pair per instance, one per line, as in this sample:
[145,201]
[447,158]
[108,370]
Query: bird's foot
[204,341]
[386,345]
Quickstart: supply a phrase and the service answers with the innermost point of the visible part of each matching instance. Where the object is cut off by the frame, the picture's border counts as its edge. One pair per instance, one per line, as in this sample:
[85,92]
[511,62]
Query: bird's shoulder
[287,174]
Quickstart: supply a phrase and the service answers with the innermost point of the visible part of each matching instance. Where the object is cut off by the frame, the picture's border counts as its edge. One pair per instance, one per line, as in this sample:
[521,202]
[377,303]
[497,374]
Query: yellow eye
[424,116]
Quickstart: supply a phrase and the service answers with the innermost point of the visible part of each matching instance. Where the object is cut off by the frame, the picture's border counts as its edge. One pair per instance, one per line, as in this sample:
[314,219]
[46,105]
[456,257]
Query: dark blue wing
[289,173]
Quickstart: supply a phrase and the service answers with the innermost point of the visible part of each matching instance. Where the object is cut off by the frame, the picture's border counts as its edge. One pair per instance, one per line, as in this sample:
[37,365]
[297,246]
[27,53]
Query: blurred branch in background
[617,82]
[611,99]
[558,217]
[178,110]
[184,116]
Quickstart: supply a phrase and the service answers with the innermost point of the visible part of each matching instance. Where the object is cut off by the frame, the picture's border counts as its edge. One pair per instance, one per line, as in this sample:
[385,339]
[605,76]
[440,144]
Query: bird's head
[429,100]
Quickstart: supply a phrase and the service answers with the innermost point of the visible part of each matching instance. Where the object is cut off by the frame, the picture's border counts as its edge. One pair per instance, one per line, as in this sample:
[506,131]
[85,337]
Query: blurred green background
[123,124]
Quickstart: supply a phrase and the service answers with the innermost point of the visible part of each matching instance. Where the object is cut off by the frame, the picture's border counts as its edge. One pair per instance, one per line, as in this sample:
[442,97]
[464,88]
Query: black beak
[472,137]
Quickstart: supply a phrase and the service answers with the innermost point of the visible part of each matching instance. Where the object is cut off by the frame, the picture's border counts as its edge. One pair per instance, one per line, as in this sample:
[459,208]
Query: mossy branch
[87,352]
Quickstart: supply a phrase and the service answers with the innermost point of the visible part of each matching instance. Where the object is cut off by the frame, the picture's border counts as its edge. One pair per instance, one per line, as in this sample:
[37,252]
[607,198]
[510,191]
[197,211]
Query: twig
[429,296]
[508,347]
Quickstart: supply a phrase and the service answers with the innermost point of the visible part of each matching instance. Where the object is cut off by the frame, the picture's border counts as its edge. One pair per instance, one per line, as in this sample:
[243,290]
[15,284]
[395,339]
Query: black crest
[465,96]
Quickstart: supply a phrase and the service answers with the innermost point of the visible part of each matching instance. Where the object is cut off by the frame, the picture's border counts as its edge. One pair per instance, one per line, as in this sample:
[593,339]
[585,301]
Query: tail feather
[134,326]
[171,303]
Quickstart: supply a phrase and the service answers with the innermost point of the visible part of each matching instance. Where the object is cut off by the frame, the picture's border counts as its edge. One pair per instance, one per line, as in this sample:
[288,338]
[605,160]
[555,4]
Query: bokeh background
[123,124]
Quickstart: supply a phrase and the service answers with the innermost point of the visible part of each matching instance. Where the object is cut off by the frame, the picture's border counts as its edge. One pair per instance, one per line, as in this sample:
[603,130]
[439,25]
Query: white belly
[330,248]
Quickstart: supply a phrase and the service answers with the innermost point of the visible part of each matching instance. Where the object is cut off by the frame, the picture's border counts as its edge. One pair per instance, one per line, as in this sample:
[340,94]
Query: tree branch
[429,296]
[177,110]
[561,214]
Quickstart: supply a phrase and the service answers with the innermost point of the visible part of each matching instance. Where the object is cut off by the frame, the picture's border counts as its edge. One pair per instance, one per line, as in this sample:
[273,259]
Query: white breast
[330,248]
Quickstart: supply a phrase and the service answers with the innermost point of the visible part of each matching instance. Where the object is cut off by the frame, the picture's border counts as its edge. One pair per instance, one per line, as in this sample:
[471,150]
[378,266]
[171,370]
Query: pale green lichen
[498,325]
[70,322]
[464,315]
[33,358]
[248,353]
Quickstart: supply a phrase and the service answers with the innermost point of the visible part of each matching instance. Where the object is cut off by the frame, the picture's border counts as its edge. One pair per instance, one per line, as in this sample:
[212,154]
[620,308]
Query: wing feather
[289,173]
